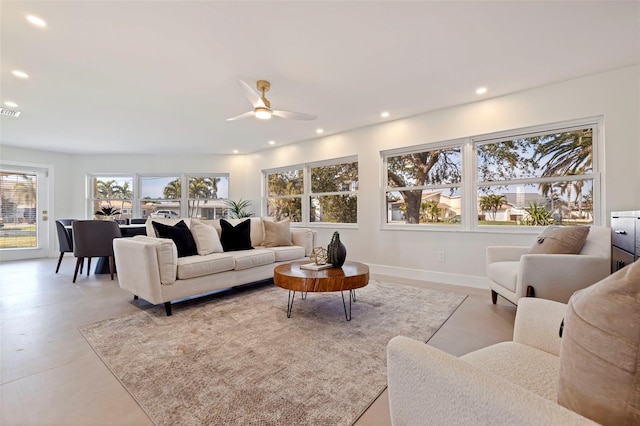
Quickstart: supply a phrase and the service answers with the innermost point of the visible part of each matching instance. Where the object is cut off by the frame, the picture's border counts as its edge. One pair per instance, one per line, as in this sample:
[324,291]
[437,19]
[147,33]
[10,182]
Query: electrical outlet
[441,256]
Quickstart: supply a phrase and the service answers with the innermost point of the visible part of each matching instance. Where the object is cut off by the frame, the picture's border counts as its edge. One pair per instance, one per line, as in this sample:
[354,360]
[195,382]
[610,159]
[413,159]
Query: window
[333,195]
[325,192]
[424,186]
[206,196]
[284,194]
[160,196]
[536,179]
[115,192]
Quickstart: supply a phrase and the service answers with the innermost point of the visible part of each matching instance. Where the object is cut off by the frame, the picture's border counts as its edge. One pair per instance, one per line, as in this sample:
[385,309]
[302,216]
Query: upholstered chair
[65,241]
[94,238]
[513,272]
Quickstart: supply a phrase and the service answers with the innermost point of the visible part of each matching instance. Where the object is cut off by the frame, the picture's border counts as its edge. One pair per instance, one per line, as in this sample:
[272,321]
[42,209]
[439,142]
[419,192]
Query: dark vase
[336,251]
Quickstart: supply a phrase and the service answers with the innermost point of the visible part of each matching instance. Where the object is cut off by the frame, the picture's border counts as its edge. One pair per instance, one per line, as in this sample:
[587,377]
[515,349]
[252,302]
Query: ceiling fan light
[263,113]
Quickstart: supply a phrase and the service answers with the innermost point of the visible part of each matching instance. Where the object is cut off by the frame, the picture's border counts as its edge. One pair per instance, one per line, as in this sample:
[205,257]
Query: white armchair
[509,383]
[513,273]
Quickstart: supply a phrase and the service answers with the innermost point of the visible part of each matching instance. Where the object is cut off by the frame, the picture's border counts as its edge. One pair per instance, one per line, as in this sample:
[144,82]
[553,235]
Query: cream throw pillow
[560,240]
[600,350]
[277,234]
[206,238]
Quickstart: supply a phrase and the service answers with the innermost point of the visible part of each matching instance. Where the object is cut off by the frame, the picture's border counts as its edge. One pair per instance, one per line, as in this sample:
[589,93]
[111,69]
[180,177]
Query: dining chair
[137,221]
[94,238]
[65,240]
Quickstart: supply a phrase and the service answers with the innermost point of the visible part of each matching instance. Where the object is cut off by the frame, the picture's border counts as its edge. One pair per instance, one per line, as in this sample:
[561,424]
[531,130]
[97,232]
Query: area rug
[236,359]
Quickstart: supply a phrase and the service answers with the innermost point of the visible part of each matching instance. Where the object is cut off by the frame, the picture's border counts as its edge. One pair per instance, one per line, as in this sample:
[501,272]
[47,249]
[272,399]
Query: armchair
[513,273]
[509,383]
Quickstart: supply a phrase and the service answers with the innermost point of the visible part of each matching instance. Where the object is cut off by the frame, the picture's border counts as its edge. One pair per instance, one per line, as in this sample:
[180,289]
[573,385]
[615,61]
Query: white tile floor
[50,376]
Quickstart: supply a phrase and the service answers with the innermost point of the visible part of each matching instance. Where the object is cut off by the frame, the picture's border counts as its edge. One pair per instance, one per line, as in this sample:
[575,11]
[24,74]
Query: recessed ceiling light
[384,114]
[38,22]
[481,90]
[319,131]
[272,142]
[20,74]
[235,151]
[11,104]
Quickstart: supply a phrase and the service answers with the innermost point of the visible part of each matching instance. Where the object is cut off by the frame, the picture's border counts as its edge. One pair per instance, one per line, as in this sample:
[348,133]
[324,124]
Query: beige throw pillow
[206,238]
[277,233]
[560,240]
[600,350]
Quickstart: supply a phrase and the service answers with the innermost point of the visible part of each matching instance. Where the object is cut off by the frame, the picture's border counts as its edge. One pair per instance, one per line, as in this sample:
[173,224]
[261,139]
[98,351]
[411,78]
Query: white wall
[613,95]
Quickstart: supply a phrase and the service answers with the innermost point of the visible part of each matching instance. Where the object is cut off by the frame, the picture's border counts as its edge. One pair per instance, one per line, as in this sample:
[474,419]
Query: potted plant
[107,212]
[237,208]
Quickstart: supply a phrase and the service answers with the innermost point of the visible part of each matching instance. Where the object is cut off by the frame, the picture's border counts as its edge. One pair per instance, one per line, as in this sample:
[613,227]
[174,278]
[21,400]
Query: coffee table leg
[347,316]
[290,303]
[304,295]
[353,295]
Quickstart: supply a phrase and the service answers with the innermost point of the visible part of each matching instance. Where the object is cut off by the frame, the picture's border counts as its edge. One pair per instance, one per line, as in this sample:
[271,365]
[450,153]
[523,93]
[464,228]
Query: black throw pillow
[181,236]
[237,237]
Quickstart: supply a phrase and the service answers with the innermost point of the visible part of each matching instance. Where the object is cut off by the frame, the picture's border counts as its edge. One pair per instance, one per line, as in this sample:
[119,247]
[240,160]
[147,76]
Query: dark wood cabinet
[625,238]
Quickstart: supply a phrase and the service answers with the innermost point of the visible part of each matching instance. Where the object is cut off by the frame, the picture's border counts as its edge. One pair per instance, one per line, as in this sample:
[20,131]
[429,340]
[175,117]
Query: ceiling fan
[262,106]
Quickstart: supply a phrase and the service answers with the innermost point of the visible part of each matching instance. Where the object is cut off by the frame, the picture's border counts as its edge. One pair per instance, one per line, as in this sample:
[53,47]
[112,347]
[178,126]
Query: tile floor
[50,376]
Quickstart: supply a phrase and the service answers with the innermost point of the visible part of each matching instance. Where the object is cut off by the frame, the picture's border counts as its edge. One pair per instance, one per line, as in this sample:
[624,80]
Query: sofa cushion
[560,240]
[277,234]
[504,273]
[206,238]
[249,259]
[256,233]
[181,236]
[198,266]
[283,254]
[600,350]
[151,232]
[531,368]
[236,237]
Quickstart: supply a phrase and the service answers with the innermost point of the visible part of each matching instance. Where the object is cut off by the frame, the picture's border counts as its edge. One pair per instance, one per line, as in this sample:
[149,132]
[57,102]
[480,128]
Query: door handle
[620,232]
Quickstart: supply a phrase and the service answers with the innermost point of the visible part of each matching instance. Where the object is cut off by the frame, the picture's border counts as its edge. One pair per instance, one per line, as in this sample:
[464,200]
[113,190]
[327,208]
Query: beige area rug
[236,359]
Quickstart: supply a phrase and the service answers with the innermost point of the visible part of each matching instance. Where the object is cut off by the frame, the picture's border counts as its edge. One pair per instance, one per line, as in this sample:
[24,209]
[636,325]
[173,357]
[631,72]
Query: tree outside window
[115,192]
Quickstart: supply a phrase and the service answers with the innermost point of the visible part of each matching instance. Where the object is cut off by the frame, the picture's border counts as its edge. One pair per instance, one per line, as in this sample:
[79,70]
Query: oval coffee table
[350,276]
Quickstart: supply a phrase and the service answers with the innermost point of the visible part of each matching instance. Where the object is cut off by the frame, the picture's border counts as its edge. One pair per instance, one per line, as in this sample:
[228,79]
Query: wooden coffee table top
[350,276]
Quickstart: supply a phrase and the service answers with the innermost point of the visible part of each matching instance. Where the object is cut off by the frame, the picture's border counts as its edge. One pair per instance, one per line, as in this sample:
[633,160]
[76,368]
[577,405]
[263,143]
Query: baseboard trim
[437,277]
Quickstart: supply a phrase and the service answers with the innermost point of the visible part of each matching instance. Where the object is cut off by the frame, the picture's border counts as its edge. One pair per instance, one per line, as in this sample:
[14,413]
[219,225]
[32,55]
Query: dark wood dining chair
[94,238]
[65,240]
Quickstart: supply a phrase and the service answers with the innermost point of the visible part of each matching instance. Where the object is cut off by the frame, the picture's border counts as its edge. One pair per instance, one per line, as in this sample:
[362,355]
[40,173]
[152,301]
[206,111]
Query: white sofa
[510,383]
[150,268]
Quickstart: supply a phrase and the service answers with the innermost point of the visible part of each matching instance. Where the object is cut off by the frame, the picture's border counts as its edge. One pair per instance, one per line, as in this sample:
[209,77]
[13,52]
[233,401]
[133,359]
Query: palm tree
[173,190]
[570,153]
[106,190]
[492,203]
[124,193]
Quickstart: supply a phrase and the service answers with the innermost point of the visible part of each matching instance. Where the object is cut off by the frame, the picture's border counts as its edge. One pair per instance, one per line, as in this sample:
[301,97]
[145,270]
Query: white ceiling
[161,77]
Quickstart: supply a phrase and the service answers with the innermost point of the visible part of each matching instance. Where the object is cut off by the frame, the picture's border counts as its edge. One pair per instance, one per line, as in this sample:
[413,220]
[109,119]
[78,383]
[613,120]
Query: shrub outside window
[536,180]
[424,186]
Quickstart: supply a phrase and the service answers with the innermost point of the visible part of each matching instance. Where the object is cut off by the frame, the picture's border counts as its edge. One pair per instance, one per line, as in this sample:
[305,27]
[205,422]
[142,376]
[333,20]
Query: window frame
[136,199]
[470,182]
[307,193]
[453,143]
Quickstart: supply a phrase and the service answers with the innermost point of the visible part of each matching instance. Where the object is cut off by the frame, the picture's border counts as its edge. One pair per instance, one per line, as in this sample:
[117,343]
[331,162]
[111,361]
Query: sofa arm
[505,253]
[141,269]
[538,324]
[304,237]
[558,276]
[430,387]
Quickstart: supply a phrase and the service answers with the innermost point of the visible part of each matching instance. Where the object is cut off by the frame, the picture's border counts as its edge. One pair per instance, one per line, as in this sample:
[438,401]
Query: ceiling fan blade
[294,115]
[252,95]
[244,115]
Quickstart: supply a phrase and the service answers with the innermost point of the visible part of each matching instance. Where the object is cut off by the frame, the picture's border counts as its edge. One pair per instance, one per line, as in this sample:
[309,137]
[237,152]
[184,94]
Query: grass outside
[18,235]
